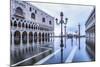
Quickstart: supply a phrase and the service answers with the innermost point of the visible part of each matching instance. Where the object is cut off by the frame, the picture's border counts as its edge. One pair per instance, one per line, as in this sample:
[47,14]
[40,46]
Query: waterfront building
[30,26]
[90,34]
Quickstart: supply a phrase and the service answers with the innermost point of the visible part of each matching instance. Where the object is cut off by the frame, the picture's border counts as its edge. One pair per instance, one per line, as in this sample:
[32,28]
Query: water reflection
[47,49]
[72,41]
[61,55]
[36,50]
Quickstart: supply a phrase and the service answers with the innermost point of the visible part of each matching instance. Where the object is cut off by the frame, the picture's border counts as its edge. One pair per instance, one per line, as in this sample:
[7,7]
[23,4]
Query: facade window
[35,11]
[12,18]
[32,26]
[19,24]
[24,20]
[30,9]
[33,15]
[15,24]
[23,25]
[11,23]
[17,36]
[21,20]
[43,19]
[50,22]
[17,19]
[19,12]
[26,25]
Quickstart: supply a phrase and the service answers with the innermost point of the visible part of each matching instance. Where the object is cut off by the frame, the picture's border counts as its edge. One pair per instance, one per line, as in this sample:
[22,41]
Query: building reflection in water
[36,52]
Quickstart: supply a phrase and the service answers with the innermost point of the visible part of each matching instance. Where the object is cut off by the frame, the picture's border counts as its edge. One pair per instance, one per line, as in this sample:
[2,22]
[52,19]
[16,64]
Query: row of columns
[38,38]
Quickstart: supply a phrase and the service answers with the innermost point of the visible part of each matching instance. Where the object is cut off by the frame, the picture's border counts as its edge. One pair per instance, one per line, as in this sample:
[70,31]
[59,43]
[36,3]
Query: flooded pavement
[28,55]
[81,54]
[78,55]
[52,54]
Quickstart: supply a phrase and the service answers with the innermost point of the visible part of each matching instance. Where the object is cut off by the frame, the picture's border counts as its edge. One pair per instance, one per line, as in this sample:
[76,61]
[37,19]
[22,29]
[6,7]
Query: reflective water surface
[36,53]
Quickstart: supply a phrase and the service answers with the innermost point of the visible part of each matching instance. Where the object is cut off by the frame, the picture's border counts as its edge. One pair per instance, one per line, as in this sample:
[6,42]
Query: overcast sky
[75,13]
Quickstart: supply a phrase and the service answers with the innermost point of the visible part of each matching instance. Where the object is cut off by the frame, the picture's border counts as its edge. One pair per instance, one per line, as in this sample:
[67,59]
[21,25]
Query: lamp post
[61,44]
[79,35]
[65,30]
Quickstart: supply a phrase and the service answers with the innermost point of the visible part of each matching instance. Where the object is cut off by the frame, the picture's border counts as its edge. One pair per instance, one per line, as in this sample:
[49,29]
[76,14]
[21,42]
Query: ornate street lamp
[61,22]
